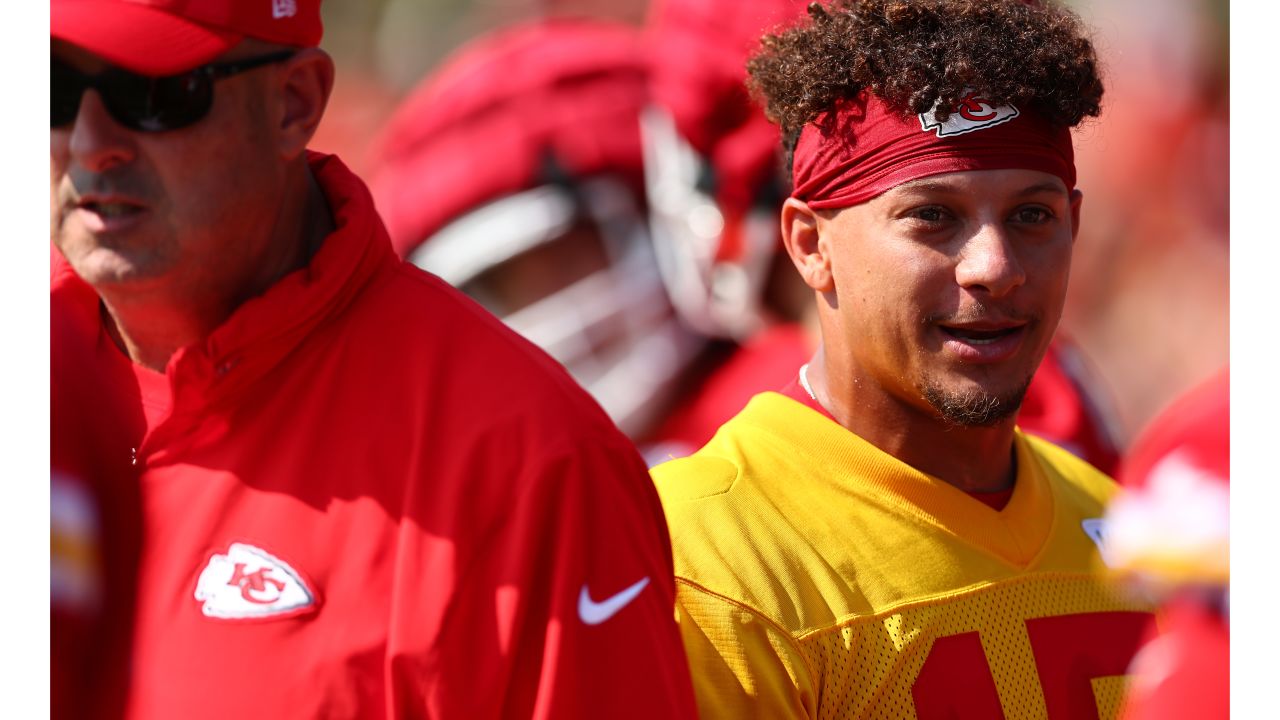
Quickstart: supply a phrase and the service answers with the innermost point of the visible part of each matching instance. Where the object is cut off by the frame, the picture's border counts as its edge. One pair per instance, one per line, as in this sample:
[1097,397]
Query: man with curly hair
[878,539]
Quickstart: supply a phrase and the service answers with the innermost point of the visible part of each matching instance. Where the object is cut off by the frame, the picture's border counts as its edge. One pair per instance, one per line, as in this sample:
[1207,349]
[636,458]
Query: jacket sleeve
[573,588]
[743,666]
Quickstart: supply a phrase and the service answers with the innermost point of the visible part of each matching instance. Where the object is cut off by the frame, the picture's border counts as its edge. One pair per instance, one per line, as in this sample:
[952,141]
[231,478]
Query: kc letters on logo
[249,582]
[970,114]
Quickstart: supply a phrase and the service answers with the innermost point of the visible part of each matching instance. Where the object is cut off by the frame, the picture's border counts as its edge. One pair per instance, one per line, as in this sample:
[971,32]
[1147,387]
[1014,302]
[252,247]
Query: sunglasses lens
[147,104]
[65,89]
[175,102]
[135,101]
[156,104]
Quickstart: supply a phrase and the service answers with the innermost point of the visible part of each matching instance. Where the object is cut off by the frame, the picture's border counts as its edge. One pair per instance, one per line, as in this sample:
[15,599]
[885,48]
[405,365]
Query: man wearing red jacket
[360,495]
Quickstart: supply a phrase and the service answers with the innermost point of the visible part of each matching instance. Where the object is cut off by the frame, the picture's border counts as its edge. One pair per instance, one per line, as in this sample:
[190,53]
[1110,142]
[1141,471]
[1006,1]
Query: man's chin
[973,405]
[103,269]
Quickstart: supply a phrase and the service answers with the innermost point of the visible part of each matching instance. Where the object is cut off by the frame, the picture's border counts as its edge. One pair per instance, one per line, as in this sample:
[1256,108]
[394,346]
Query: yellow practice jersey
[819,577]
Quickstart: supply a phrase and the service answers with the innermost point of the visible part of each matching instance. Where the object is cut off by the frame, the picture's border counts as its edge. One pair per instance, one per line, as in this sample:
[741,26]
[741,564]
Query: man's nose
[97,142]
[989,261]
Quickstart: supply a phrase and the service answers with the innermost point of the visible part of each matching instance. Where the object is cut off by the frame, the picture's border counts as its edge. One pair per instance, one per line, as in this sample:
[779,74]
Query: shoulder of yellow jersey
[694,478]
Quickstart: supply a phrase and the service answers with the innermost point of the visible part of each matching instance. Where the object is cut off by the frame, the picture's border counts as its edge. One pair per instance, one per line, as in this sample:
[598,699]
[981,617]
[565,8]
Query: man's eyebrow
[1043,188]
[928,185]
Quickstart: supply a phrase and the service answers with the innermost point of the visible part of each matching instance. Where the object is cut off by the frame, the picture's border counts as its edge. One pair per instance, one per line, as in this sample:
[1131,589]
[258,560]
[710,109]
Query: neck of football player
[971,458]
[151,326]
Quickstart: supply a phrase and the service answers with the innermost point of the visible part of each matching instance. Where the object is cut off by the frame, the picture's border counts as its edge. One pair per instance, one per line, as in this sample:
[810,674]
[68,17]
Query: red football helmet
[1171,521]
[712,160]
[1168,531]
[514,173]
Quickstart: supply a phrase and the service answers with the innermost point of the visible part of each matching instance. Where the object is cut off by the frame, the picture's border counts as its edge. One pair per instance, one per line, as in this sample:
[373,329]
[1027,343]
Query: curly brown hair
[915,53]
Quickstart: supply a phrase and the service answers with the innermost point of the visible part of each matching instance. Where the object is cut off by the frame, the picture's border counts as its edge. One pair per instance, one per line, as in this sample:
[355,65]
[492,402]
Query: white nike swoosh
[594,613]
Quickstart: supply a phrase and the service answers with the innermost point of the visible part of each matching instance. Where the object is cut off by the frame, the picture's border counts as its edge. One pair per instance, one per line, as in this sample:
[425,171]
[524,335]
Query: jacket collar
[262,331]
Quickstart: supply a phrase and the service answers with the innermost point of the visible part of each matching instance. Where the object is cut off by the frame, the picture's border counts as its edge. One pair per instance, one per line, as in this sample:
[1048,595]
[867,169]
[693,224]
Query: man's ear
[305,82]
[800,237]
[1077,198]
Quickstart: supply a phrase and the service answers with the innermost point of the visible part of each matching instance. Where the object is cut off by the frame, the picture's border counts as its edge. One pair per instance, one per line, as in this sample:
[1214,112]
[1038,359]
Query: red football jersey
[362,496]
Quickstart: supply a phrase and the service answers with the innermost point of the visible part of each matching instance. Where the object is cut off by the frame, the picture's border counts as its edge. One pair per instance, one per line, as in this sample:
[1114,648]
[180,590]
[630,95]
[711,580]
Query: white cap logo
[970,114]
[283,8]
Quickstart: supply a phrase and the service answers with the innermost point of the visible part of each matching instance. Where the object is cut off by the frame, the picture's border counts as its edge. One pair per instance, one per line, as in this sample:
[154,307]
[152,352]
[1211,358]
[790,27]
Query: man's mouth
[102,214]
[980,336]
[984,342]
[111,209]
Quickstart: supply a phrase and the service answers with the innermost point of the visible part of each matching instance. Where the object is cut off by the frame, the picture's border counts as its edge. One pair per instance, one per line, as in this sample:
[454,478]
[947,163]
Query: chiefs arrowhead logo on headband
[972,113]
[862,147]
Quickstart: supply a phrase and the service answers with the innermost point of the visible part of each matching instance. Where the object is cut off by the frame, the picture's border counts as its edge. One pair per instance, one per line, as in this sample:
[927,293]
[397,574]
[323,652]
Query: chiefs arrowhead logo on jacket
[249,582]
[970,114]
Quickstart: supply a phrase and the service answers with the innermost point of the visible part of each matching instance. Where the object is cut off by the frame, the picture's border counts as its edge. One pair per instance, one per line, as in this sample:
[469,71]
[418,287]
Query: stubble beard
[973,407]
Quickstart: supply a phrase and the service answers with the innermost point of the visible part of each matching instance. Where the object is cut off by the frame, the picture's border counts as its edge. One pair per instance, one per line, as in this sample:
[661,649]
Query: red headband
[867,148]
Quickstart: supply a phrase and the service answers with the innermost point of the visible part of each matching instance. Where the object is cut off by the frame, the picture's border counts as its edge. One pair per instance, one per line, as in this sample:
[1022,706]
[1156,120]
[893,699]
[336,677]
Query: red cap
[167,37]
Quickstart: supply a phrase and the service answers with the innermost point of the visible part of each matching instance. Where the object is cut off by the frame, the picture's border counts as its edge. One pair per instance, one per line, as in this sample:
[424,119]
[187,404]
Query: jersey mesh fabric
[817,575]
[868,665]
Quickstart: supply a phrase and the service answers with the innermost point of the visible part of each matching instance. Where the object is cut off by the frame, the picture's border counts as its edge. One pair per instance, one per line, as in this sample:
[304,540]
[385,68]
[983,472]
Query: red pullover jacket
[363,497]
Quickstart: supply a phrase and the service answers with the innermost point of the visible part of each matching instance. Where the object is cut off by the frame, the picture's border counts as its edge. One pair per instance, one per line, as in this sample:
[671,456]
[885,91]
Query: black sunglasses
[143,103]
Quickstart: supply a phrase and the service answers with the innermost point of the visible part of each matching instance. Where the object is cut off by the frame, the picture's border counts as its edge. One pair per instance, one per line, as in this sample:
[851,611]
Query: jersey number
[1070,650]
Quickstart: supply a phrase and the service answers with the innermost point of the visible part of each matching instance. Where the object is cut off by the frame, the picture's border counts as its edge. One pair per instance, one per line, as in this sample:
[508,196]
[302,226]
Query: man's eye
[1032,215]
[929,214]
